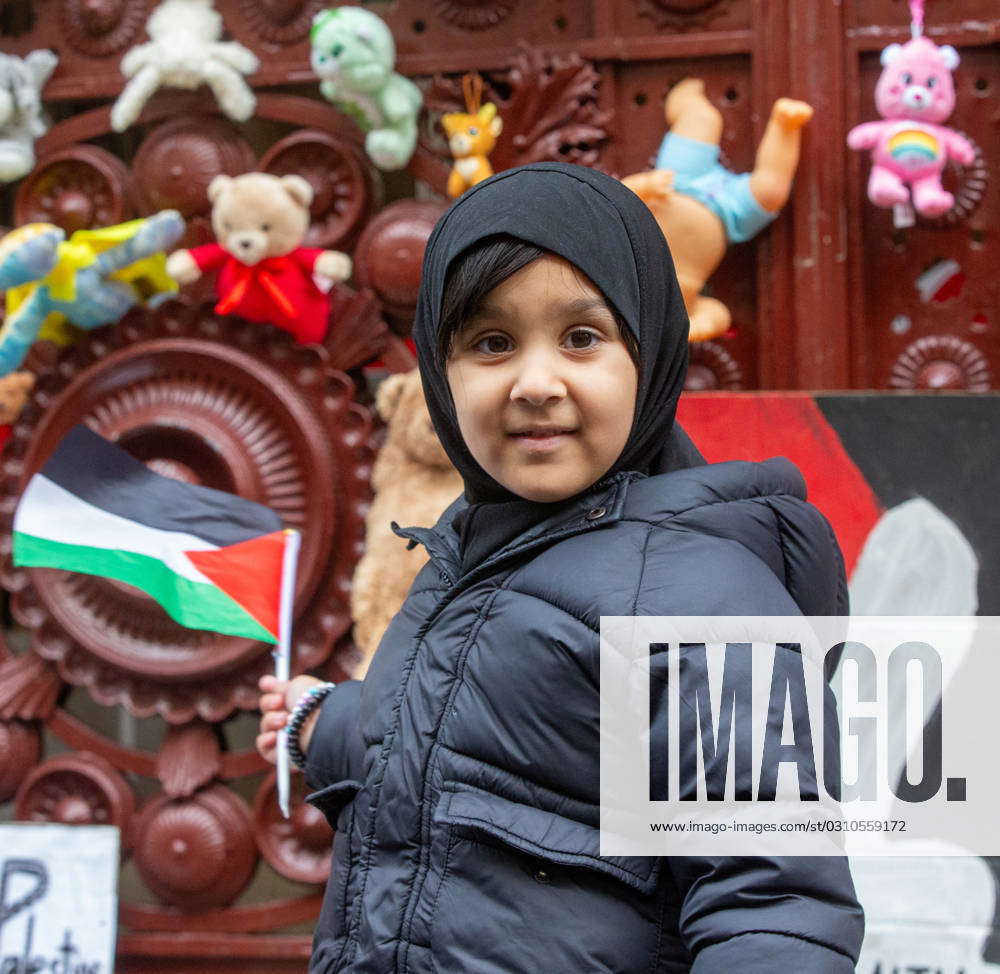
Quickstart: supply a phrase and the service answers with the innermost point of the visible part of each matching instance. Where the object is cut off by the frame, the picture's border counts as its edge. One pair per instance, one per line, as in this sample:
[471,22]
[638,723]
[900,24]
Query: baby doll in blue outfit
[701,206]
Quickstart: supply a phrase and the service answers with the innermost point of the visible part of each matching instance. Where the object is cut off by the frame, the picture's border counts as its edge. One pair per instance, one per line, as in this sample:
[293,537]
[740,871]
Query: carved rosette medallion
[99,28]
[680,13]
[220,402]
[299,847]
[390,253]
[941,362]
[77,188]
[972,181]
[474,14]
[196,853]
[280,21]
[76,789]
[710,367]
[20,746]
[343,187]
[179,158]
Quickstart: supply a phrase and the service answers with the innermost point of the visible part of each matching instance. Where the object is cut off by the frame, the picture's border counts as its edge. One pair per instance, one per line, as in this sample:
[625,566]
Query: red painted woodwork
[830,296]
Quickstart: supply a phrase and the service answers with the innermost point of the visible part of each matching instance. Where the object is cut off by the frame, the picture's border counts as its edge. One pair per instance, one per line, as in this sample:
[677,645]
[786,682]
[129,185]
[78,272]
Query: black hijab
[603,228]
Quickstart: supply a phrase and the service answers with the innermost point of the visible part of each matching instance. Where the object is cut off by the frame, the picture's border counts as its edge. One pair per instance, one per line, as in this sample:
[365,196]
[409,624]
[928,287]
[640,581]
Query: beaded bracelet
[306,704]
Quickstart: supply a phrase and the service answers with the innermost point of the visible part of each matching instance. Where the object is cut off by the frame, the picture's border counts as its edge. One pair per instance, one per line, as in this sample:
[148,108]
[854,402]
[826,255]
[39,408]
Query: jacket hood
[706,496]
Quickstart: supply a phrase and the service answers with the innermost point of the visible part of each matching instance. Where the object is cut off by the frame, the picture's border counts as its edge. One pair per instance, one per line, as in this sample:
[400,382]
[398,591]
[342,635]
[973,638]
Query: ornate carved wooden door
[111,713]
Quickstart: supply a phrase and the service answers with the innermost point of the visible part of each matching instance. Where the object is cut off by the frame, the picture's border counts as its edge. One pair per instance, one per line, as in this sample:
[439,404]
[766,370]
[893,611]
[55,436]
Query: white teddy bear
[185,52]
[21,121]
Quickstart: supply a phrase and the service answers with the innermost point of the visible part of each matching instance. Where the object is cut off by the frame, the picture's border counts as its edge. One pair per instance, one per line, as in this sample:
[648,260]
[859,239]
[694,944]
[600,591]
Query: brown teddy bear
[14,391]
[264,275]
[414,482]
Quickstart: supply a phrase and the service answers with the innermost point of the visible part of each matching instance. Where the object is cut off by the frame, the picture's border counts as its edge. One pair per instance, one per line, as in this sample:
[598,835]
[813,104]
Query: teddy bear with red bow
[265,275]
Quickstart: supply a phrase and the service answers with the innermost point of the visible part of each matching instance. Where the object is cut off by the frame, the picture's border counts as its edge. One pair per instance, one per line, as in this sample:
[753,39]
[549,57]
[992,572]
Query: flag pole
[283,656]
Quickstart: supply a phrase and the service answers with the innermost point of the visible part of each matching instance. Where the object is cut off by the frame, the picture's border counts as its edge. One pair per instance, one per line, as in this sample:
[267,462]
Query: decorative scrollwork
[299,847]
[179,158]
[359,333]
[77,188]
[29,687]
[681,13]
[76,789]
[548,104]
[20,746]
[941,362]
[189,759]
[342,182]
[99,28]
[280,21]
[221,402]
[474,14]
[711,366]
[196,853]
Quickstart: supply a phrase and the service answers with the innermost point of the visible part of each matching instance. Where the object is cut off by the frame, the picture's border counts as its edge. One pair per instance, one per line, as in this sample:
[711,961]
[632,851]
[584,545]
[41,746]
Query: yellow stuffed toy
[55,287]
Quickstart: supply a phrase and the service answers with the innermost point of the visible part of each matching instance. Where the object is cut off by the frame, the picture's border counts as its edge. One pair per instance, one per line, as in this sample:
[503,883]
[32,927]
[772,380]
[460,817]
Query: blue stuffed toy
[55,287]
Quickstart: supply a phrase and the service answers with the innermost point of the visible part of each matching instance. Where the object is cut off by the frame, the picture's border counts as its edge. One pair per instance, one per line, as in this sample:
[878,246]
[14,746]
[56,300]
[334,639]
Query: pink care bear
[911,147]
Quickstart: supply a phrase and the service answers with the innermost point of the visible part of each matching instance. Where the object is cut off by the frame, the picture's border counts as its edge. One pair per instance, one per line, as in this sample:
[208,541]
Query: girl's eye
[580,339]
[931,82]
[493,344]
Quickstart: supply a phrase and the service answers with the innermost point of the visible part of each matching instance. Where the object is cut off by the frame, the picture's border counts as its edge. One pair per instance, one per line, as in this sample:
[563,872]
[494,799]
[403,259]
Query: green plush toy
[354,54]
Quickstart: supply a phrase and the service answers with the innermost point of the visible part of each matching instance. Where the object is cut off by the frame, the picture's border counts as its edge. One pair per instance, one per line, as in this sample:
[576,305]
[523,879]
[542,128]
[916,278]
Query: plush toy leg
[17,159]
[6,107]
[886,189]
[689,112]
[391,148]
[158,233]
[709,319]
[231,92]
[32,259]
[778,153]
[20,331]
[238,57]
[929,199]
[135,95]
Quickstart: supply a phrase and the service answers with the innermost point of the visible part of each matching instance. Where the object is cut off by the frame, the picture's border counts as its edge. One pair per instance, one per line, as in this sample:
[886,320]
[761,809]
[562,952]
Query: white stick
[283,658]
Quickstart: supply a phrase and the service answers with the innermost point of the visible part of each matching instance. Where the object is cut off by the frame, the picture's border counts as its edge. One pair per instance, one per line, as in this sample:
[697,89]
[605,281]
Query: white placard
[58,898]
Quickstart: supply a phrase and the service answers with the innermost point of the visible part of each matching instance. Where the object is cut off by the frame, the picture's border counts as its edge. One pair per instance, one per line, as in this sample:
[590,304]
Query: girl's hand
[278,698]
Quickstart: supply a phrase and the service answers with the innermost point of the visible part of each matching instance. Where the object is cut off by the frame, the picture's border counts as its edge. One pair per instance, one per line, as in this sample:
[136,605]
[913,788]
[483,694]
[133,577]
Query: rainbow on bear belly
[914,149]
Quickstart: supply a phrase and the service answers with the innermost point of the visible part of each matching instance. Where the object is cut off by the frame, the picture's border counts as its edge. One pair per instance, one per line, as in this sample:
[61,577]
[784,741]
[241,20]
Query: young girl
[462,776]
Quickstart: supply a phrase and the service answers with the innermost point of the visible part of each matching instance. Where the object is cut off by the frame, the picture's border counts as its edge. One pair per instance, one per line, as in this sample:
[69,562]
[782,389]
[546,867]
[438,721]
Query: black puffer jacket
[462,775]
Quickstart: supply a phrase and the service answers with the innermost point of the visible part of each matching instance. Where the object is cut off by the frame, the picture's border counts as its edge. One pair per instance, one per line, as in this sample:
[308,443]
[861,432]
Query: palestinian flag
[211,559]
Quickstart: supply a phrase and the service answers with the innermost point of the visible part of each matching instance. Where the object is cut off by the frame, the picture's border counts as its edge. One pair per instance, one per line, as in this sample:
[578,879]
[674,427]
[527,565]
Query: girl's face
[543,385]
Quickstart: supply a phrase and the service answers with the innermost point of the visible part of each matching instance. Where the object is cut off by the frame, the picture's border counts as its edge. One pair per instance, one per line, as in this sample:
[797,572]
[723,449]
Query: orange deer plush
[471,137]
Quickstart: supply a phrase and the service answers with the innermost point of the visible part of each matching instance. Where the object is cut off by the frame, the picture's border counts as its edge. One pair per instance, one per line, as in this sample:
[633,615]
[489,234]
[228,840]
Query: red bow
[244,275]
